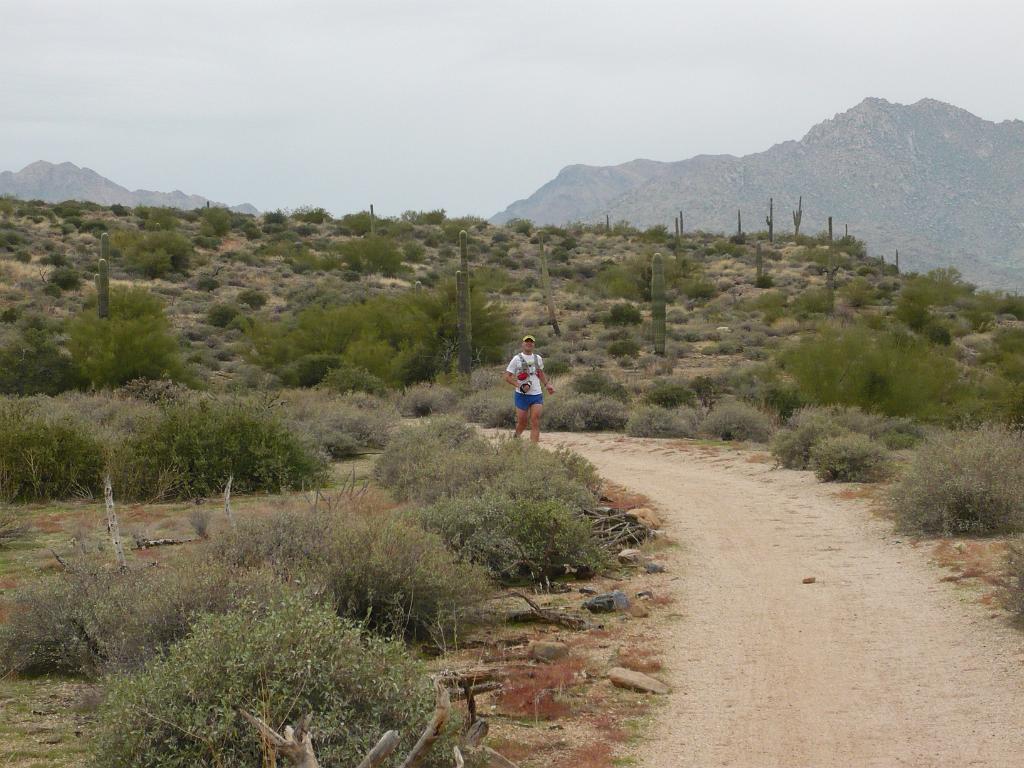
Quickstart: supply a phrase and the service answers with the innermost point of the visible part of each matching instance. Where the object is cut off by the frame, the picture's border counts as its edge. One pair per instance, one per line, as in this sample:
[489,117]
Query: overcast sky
[463,104]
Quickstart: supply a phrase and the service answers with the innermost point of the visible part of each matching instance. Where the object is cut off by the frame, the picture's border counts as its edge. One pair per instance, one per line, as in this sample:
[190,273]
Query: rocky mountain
[55,183]
[943,186]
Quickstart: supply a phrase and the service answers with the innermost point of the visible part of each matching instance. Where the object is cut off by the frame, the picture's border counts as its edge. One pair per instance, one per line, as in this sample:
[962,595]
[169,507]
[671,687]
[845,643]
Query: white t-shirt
[534,363]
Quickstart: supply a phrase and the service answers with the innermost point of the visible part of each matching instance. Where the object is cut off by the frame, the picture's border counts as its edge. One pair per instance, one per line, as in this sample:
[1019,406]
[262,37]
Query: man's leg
[521,417]
[535,412]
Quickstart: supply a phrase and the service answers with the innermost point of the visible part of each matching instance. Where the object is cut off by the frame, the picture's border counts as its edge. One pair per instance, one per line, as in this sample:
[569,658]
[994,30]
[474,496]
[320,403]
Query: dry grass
[638,659]
[621,498]
[983,560]
[538,692]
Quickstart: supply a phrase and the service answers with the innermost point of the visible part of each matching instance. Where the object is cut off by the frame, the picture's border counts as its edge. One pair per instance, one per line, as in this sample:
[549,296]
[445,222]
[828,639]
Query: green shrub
[655,421]
[515,538]
[153,254]
[735,420]
[585,413]
[372,254]
[623,314]
[292,659]
[252,298]
[426,400]
[964,482]
[216,222]
[623,348]
[880,371]
[346,378]
[194,445]
[33,363]
[66,279]
[92,619]
[310,370]
[135,342]
[221,315]
[849,458]
[45,456]
[670,394]
[598,383]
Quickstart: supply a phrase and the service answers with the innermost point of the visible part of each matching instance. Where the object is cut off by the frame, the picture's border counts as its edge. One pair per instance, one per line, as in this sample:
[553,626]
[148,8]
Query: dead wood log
[459,762]
[296,745]
[434,729]
[460,693]
[549,616]
[387,744]
[113,528]
[151,543]
[496,759]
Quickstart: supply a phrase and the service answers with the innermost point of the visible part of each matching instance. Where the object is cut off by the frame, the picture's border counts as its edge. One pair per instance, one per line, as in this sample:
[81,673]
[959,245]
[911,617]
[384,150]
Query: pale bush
[735,420]
[427,399]
[281,663]
[585,413]
[964,482]
[850,458]
[489,408]
[654,421]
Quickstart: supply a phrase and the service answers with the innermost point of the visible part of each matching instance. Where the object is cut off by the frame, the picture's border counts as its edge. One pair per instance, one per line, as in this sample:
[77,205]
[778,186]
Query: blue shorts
[523,402]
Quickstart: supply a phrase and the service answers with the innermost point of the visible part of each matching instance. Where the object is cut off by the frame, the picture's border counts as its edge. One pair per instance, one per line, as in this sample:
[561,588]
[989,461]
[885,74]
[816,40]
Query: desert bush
[45,456]
[879,371]
[396,578]
[807,427]
[310,370]
[964,482]
[655,421]
[850,458]
[490,408]
[34,363]
[623,314]
[736,420]
[346,378]
[252,298]
[192,447]
[135,342]
[153,254]
[281,663]
[372,254]
[427,399]
[515,538]
[598,383]
[216,222]
[221,315]
[670,394]
[339,427]
[92,619]
[585,413]
[623,348]
[446,458]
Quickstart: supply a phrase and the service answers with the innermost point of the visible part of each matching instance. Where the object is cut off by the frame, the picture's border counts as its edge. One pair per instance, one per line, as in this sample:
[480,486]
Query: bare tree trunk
[434,729]
[227,501]
[112,526]
[387,744]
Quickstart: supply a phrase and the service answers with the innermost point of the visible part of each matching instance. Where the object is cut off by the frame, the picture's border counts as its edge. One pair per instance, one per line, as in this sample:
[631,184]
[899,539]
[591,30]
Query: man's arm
[544,380]
[510,378]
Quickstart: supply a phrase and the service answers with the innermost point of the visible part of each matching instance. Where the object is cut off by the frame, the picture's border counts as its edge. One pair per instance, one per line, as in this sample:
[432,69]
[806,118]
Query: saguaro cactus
[103,278]
[739,223]
[682,231]
[759,264]
[897,260]
[770,220]
[373,221]
[797,215]
[545,281]
[607,223]
[465,340]
[658,303]
[830,229]
[464,266]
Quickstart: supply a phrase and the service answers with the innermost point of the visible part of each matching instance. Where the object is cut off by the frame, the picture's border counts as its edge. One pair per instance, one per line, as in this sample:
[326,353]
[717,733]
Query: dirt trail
[878,663]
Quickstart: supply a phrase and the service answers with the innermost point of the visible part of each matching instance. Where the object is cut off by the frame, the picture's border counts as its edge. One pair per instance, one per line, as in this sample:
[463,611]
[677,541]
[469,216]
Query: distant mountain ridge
[943,186]
[55,183]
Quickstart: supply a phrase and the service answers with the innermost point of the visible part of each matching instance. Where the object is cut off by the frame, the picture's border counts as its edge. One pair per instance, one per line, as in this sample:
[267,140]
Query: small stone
[608,602]
[654,568]
[630,557]
[588,591]
[639,611]
[548,650]
[809,579]
[636,681]
[645,594]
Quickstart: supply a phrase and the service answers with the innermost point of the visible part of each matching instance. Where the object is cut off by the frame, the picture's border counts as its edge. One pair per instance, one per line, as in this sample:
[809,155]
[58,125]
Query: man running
[526,373]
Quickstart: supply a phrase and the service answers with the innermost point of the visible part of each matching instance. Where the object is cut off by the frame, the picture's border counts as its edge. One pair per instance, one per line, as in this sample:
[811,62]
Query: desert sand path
[878,663]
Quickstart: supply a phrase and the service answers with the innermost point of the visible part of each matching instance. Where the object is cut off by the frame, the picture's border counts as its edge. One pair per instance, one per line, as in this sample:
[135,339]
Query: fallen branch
[460,693]
[548,616]
[459,762]
[387,744]
[296,745]
[496,759]
[151,543]
[434,729]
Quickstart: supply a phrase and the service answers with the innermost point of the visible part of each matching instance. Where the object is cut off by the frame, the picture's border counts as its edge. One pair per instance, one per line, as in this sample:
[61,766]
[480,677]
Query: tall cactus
[607,223]
[759,264]
[464,266]
[545,281]
[739,223]
[465,340]
[682,230]
[103,278]
[770,220]
[373,221]
[830,229]
[798,214]
[897,261]
[658,303]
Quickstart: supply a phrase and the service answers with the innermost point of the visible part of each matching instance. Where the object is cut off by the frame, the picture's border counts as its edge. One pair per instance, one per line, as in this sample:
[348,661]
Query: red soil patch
[968,559]
[536,691]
